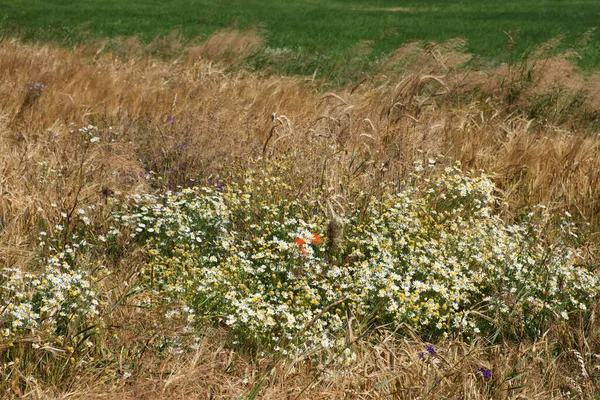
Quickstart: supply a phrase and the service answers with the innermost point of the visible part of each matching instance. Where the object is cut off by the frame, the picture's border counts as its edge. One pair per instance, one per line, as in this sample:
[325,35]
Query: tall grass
[84,130]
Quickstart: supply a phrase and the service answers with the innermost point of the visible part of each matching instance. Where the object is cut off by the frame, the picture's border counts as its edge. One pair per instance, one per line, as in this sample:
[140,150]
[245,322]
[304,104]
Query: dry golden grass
[387,368]
[188,118]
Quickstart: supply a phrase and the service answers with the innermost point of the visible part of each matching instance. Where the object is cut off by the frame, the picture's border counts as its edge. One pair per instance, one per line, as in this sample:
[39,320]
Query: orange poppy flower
[299,241]
[315,238]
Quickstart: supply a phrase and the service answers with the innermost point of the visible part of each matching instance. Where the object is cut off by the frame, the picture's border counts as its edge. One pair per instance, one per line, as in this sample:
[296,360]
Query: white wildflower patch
[438,259]
[432,255]
[59,300]
[257,259]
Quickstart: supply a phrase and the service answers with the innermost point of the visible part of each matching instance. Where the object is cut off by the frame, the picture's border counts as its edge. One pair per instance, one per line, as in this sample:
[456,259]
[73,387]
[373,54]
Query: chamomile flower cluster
[436,257]
[60,300]
[429,253]
[255,264]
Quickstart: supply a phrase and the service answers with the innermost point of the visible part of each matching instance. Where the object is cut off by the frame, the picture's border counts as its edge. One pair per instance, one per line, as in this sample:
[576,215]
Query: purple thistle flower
[431,350]
[487,374]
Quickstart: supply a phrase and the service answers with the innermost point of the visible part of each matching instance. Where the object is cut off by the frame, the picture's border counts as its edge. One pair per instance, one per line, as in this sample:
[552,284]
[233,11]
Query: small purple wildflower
[421,355]
[170,118]
[219,187]
[487,374]
[431,350]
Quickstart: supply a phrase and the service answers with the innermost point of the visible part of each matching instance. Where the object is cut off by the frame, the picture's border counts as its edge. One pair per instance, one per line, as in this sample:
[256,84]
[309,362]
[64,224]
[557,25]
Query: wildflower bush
[435,256]
[431,254]
[234,256]
[55,306]
[260,258]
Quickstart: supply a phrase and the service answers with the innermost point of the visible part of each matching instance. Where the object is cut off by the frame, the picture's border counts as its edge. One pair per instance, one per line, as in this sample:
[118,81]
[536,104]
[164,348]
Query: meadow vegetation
[185,228]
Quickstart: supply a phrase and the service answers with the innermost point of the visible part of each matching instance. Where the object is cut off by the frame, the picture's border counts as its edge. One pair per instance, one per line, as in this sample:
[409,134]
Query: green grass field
[321,32]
